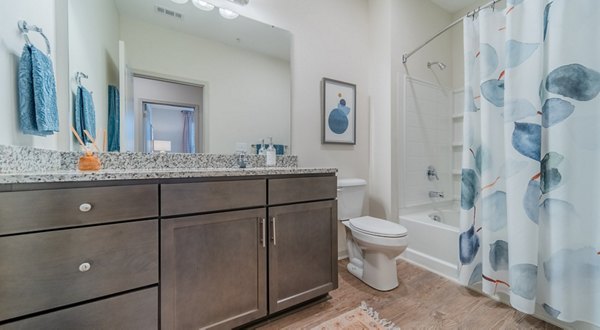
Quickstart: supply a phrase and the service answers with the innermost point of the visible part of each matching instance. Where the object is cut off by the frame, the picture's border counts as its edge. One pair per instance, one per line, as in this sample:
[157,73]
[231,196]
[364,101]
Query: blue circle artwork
[338,118]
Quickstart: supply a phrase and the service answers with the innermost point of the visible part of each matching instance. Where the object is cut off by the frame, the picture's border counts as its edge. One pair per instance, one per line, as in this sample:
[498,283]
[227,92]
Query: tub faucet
[432,173]
[436,194]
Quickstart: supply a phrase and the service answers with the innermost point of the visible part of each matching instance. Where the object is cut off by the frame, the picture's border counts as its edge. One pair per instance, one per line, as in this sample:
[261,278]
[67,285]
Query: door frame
[203,109]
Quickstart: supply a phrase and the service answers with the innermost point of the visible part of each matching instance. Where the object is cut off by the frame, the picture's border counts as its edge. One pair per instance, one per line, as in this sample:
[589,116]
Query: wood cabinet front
[302,253]
[57,268]
[23,211]
[136,310]
[213,270]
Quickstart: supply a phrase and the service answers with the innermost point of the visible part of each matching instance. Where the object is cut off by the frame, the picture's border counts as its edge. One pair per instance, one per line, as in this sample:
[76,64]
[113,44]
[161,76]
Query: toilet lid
[378,227]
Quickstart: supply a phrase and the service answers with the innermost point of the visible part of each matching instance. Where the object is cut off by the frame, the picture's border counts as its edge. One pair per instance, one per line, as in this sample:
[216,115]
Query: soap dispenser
[271,154]
[262,151]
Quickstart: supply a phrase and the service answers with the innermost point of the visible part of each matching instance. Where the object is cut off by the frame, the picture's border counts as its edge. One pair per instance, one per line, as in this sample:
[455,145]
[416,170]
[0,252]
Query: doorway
[168,115]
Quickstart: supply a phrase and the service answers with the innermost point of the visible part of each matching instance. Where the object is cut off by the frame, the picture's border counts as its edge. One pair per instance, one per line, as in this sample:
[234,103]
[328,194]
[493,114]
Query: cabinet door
[302,253]
[213,270]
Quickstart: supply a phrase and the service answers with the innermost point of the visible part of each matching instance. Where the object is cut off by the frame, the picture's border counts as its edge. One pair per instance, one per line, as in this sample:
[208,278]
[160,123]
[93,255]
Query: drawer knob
[85,207]
[84,267]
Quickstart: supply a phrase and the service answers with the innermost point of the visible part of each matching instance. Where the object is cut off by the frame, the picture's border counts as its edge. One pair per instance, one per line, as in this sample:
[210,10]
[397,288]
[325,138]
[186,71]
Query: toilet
[373,244]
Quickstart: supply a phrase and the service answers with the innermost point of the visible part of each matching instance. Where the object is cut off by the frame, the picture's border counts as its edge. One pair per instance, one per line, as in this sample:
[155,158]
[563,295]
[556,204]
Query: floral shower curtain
[530,193]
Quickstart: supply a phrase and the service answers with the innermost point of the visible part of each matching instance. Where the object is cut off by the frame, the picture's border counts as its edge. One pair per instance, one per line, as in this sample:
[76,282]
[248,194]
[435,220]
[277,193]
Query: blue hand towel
[84,114]
[38,111]
[113,119]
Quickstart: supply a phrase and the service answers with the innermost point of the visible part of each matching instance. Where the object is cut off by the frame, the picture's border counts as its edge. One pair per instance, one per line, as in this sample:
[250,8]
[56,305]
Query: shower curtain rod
[472,13]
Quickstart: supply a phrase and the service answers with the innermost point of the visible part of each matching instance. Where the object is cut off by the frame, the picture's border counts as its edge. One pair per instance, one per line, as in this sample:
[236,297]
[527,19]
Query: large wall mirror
[183,79]
[189,80]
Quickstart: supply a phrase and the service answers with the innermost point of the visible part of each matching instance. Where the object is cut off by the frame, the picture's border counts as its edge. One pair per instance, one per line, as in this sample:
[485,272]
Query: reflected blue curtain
[148,129]
[189,141]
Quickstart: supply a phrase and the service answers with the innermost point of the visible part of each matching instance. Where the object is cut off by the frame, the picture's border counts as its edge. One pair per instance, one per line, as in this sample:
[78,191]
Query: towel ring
[25,28]
[78,77]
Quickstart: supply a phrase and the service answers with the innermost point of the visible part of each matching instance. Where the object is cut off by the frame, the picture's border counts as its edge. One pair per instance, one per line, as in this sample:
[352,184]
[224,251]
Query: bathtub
[433,244]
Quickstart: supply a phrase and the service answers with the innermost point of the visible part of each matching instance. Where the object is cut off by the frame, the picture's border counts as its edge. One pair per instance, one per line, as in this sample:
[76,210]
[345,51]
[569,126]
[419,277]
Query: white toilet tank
[351,194]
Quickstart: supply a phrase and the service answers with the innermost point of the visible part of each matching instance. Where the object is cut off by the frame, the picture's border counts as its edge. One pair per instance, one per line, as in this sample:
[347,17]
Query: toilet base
[377,271]
[380,271]
[374,264]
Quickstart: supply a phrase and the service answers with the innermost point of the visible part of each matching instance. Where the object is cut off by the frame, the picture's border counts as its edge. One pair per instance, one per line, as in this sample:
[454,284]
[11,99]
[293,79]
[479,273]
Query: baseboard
[342,255]
[430,263]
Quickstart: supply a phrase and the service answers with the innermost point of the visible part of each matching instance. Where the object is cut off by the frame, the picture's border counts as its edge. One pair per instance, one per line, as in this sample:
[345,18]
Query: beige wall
[94,50]
[247,93]
[44,15]
[330,40]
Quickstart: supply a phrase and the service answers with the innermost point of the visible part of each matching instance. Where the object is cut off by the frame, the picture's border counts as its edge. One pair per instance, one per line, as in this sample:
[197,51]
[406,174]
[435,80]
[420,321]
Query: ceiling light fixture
[203,5]
[180,2]
[228,13]
[240,2]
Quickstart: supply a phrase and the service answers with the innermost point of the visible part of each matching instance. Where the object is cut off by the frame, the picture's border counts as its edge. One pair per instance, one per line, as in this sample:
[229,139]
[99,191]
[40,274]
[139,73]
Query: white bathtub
[433,244]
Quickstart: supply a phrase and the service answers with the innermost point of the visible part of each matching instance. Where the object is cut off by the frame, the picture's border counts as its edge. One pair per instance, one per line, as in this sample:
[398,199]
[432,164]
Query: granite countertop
[171,173]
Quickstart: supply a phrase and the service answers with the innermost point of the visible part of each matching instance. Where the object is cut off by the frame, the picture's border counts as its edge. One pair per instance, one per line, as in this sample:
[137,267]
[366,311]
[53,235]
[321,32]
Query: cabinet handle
[263,224]
[84,267]
[85,207]
[274,237]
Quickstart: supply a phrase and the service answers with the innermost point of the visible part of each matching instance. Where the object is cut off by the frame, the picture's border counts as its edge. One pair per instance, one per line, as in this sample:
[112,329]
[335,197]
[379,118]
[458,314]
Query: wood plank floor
[422,300]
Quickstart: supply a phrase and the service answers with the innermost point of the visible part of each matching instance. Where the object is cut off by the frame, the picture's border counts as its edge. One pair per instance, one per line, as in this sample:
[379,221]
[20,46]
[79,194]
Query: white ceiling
[453,6]
[240,32]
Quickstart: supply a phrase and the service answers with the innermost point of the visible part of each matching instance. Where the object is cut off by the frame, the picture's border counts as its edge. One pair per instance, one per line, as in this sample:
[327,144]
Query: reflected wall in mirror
[239,68]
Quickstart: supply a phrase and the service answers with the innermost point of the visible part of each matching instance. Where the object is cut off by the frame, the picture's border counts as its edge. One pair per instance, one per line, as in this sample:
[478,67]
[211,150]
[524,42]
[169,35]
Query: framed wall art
[339,112]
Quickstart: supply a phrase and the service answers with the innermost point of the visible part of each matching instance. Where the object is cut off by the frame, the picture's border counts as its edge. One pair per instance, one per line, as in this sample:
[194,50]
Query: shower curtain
[530,192]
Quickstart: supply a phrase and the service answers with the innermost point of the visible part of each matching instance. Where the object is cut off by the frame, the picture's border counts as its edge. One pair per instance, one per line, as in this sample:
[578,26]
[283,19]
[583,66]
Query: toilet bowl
[373,244]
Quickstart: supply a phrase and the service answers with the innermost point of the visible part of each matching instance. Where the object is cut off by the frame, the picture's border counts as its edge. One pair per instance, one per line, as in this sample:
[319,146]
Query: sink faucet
[436,194]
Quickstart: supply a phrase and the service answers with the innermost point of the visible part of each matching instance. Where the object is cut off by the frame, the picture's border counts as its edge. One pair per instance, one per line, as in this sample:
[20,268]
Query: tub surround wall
[427,142]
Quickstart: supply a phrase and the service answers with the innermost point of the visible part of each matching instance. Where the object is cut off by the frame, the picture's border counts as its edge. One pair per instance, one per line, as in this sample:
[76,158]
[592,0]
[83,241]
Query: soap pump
[271,154]
[262,151]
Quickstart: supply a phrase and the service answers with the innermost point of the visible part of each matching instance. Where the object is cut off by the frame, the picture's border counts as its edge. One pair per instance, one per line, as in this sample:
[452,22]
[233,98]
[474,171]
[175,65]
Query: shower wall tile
[428,141]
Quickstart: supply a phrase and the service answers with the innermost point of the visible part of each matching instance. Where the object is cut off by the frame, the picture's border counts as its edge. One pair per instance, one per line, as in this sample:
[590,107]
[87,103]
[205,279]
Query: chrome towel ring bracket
[25,28]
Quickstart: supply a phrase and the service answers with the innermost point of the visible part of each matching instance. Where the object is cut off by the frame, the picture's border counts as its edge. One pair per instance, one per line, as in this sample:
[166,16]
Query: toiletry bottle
[271,154]
[262,151]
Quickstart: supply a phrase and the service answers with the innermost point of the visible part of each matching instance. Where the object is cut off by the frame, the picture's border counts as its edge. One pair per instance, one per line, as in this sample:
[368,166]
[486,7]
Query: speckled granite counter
[33,165]
[172,173]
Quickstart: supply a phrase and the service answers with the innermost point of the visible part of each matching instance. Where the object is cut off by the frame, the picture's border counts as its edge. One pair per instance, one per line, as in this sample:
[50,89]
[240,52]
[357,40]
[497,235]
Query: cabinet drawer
[186,198]
[137,310]
[46,209]
[46,270]
[291,190]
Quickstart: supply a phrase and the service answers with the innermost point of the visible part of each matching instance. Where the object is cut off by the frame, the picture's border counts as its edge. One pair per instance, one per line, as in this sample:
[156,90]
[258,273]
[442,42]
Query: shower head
[440,65]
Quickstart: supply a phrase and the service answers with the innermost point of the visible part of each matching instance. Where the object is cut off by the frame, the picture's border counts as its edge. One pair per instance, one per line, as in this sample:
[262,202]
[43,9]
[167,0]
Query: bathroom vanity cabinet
[200,252]
[214,273]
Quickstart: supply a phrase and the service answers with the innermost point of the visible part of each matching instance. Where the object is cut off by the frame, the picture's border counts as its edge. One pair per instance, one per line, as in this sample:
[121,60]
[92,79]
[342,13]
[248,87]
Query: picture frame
[338,103]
